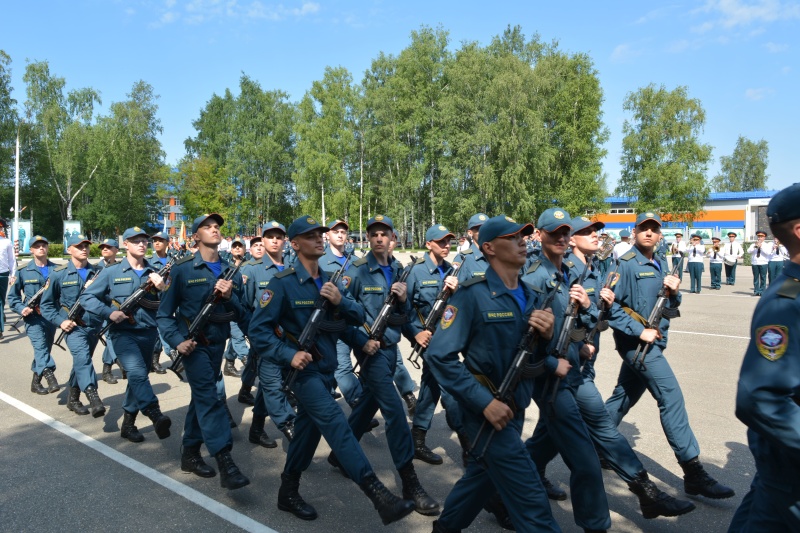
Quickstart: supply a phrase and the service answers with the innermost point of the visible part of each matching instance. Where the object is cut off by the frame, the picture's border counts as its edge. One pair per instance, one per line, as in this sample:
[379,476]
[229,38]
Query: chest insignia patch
[772,341]
[346,281]
[266,298]
[244,279]
[449,316]
[167,283]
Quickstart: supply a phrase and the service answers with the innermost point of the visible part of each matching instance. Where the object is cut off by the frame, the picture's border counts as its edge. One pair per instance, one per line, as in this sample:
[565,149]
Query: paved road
[65,472]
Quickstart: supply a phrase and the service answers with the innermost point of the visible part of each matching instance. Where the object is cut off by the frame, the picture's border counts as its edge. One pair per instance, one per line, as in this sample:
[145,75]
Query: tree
[663,162]
[8,122]
[745,169]
[210,191]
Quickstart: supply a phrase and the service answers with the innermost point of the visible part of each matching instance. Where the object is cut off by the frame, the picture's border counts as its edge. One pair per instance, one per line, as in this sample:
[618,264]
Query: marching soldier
[191,281]
[636,293]
[288,304]
[31,278]
[134,335]
[65,285]
[159,260]
[484,321]
[108,251]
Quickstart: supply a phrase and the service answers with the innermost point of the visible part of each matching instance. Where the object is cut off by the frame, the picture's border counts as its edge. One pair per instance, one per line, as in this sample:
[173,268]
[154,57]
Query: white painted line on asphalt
[198,498]
[709,334]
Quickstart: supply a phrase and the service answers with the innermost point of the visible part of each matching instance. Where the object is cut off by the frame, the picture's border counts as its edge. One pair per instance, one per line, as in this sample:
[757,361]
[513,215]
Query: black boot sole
[41,392]
[427,459]
[162,428]
[653,513]
[722,496]
[400,515]
[428,512]
[234,484]
[301,516]
[77,410]
[136,440]
[194,471]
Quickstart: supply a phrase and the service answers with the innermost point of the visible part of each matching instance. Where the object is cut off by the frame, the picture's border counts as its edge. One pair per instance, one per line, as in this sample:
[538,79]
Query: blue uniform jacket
[112,286]
[29,281]
[330,262]
[639,282]
[189,284]
[483,322]
[542,275]
[256,275]
[65,286]
[424,283]
[474,263]
[768,395]
[368,286]
[288,303]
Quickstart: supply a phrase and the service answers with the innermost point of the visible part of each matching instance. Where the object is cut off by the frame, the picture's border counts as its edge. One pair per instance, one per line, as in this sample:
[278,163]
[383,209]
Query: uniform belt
[486,382]
[636,316]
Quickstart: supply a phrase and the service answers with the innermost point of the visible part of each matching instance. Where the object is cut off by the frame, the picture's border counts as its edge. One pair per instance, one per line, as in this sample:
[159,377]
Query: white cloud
[758,94]
[776,48]
[786,70]
[655,14]
[624,52]
[733,13]
[201,11]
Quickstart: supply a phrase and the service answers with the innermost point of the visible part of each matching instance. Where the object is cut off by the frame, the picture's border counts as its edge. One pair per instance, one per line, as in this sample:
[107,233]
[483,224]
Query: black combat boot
[288,430]
[230,369]
[372,425]
[74,402]
[192,462]
[553,492]
[289,498]
[412,490]
[697,481]
[421,450]
[245,396]
[411,403]
[157,368]
[439,528]
[654,502]
[229,475]
[96,406]
[52,382]
[258,435]
[128,430]
[36,384]
[161,422]
[389,507]
[108,377]
[496,507]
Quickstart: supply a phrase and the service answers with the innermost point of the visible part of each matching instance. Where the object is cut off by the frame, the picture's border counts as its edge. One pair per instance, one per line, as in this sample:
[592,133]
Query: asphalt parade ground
[64,472]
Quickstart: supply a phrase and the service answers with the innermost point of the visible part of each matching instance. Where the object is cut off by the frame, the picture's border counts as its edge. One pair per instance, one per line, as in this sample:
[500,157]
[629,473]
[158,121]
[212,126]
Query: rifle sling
[486,382]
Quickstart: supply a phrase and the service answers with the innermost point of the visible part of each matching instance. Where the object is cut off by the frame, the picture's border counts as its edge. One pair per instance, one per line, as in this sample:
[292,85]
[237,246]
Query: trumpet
[716,248]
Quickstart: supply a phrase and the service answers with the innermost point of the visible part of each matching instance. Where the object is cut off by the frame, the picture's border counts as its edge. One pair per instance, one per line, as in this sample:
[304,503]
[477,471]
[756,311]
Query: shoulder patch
[628,256]
[266,298]
[360,262]
[790,288]
[473,280]
[772,341]
[62,267]
[449,316]
[186,259]
[534,266]
[285,272]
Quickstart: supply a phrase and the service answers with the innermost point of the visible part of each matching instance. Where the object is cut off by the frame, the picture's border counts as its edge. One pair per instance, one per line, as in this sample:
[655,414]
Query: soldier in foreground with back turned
[31,278]
[636,293]
[285,308]
[484,321]
[190,282]
[135,334]
[768,394]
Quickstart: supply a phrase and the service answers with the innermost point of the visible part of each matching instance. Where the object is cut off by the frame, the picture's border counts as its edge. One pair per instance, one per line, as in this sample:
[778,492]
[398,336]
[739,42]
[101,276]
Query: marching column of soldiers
[514,319]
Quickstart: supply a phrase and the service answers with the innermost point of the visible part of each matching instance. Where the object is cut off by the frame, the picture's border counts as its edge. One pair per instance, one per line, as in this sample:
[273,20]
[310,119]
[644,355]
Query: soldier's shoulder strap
[627,256]
[473,280]
[360,262]
[185,259]
[569,263]
[62,267]
[790,288]
[285,272]
[536,264]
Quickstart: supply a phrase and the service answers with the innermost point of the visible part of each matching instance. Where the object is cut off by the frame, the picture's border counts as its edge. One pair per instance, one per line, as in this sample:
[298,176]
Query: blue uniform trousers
[402,379]
[663,386]
[716,275]
[3,293]
[506,468]
[206,419]
[41,333]
[136,354]
[81,343]
[237,346]
[759,278]
[730,274]
[270,399]
[774,269]
[250,370]
[563,430]
[768,508]
[379,392]
[695,276]
[429,394]
[347,381]
[109,355]
[318,414]
[675,260]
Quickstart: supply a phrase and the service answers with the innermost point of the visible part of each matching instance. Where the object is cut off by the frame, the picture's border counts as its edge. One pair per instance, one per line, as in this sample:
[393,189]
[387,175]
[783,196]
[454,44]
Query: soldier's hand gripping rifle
[520,368]
[32,304]
[654,320]
[133,301]
[381,322]
[75,314]
[308,337]
[199,323]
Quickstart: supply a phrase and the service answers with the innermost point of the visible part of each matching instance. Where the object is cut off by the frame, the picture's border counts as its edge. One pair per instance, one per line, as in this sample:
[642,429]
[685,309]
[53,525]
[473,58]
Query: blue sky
[738,57]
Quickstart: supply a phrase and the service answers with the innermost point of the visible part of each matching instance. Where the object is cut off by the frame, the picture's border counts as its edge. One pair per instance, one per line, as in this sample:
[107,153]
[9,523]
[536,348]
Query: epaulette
[420,260]
[62,267]
[628,256]
[473,280]
[468,251]
[569,263]
[534,266]
[185,259]
[790,288]
[285,272]
[360,262]
[26,265]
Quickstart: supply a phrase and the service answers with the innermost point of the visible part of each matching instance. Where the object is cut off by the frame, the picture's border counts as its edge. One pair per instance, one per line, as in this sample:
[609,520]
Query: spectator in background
[8,270]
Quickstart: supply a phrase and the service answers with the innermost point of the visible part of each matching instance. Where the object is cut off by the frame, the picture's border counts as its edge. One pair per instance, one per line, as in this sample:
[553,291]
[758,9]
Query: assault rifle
[75,313]
[33,303]
[200,321]
[520,368]
[654,320]
[134,300]
[308,337]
